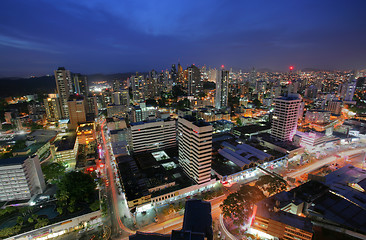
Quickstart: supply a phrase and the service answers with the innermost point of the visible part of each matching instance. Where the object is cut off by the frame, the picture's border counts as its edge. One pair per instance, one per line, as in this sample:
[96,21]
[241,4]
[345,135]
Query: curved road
[110,174]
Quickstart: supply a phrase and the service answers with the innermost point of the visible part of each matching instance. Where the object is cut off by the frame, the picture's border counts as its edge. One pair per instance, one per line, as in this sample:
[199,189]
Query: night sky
[104,36]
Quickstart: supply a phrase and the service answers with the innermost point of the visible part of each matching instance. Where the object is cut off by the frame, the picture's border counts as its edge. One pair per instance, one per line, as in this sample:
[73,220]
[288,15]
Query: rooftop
[12,161]
[195,121]
[67,142]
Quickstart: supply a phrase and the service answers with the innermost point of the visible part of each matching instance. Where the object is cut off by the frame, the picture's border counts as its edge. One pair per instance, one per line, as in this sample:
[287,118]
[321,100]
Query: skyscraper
[64,89]
[285,116]
[195,148]
[173,73]
[222,89]
[80,84]
[53,108]
[194,81]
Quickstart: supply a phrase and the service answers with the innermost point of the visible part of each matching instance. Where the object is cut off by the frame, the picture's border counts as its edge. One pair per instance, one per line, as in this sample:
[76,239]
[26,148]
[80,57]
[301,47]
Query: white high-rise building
[64,89]
[152,135]
[285,117]
[20,178]
[195,148]
[222,89]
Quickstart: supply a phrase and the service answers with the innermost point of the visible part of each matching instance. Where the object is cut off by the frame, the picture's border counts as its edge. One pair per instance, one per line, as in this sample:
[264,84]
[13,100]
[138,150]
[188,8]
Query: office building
[195,148]
[53,108]
[285,117]
[194,81]
[152,135]
[334,106]
[222,89]
[64,89]
[77,107]
[20,178]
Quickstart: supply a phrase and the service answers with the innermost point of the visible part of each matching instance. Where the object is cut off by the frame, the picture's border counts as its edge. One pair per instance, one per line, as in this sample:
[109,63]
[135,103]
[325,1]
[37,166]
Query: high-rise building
[152,135]
[137,84]
[285,117]
[21,178]
[77,107]
[153,85]
[222,89]
[53,108]
[64,89]
[195,148]
[173,73]
[117,85]
[92,106]
[194,81]
[124,97]
[80,84]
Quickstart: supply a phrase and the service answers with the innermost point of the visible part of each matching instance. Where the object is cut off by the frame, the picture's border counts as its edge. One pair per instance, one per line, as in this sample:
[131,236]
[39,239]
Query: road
[321,162]
[117,224]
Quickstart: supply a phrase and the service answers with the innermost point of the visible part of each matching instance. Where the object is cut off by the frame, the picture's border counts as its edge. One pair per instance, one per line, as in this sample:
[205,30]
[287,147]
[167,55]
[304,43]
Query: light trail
[112,185]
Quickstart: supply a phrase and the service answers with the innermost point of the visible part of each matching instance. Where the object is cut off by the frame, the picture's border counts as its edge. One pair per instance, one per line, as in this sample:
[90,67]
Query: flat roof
[67,142]
[143,172]
[13,161]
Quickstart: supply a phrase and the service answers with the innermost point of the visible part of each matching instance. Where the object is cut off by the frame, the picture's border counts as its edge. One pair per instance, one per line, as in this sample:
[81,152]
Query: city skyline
[96,37]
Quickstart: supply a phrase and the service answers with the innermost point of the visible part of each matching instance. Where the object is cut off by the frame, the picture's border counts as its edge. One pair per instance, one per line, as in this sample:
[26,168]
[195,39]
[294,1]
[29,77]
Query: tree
[60,210]
[76,187]
[30,220]
[239,205]
[270,185]
[183,104]
[151,102]
[41,222]
[53,171]
[20,220]
[95,206]
[257,103]
[239,122]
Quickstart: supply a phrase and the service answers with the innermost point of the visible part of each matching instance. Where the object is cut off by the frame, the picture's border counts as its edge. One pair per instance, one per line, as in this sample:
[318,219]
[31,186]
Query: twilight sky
[109,36]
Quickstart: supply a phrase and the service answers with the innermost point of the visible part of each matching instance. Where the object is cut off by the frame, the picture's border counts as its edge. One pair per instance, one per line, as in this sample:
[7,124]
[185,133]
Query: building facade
[195,148]
[20,178]
[222,89]
[64,89]
[285,117]
[53,108]
[152,135]
[77,107]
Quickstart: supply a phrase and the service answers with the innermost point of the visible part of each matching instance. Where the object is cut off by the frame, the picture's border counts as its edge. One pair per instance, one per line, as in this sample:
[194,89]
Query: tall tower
[52,106]
[194,81]
[195,148]
[81,84]
[285,116]
[173,73]
[222,89]
[64,89]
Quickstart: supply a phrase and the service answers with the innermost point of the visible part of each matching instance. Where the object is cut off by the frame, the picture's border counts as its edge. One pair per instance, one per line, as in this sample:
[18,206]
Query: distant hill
[21,86]
[15,86]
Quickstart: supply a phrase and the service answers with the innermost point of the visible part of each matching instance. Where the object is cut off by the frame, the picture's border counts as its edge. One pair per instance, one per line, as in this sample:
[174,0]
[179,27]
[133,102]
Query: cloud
[15,42]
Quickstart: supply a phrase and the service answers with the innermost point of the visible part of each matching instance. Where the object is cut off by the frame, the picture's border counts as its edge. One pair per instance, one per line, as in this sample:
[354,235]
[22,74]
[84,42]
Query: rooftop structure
[243,155]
